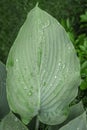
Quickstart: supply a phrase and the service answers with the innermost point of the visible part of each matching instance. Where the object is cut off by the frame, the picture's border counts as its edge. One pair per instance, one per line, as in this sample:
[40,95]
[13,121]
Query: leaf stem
[37,124]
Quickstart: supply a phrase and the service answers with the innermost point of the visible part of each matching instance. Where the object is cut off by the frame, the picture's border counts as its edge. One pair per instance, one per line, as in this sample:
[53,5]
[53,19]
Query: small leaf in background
[71,36]
[69,29]
[83,17]
[80,39]
[83,85]
[11,122]
[83,23]
[79,123]
[84,65]
[75,111]
[4,108]
[82,48]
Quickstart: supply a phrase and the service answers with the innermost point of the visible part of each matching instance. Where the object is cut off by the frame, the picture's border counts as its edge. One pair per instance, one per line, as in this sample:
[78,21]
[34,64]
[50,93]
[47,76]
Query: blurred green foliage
[13,14]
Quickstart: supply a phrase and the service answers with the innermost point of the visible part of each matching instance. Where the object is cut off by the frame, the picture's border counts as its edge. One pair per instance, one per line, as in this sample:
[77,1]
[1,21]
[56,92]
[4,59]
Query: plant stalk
[37,124]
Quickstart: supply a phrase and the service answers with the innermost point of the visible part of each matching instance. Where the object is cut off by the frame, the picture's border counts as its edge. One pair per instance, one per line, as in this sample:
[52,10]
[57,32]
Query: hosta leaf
[11,122]
[43,70]
[75,111]
[79,123]
[4,108]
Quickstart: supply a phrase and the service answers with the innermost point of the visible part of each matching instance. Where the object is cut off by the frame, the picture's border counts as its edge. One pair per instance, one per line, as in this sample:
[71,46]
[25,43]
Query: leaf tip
[37,4]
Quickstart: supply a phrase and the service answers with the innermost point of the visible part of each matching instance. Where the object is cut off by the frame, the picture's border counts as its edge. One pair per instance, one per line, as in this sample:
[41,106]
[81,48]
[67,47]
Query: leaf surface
[43,70]
[11,122]
[79,123]
[75,111]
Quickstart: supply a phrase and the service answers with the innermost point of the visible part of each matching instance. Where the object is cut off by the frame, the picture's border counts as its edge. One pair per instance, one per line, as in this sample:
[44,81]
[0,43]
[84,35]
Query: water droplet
[30,93]
[59,64]
[51,84]
[68,46]
[16,119]
[58,23]
[63,66]
[46,24]
[25,88]
[16,60]
[55,76]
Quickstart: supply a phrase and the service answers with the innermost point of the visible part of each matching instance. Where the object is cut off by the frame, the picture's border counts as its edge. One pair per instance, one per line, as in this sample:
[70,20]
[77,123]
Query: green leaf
[83,85]
[83,17]
[43,71]
[84,65]
[80,39]
[71,35]
[79,123]
[4,108]
[82,48]
[75,111]
[11,122]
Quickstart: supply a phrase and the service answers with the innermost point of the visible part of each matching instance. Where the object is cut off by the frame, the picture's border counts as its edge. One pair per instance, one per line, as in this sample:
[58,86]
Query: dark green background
[13,14]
